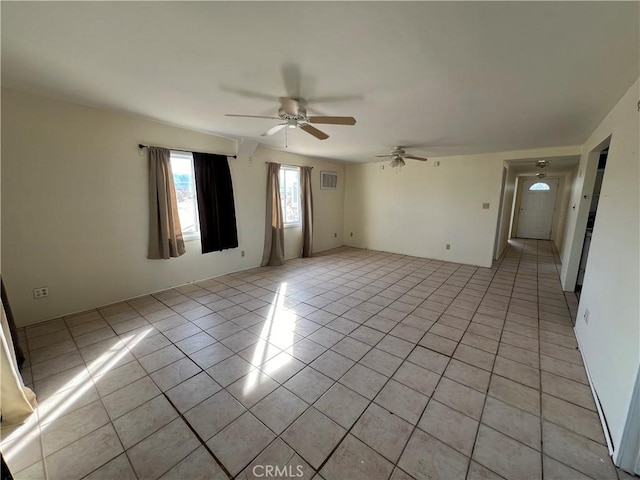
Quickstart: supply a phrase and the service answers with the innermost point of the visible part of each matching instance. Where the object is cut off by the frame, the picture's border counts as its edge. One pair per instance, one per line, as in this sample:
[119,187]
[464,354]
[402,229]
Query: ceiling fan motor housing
[300,117]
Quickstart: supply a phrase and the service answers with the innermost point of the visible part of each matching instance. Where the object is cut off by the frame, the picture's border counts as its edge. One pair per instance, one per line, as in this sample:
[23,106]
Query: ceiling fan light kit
[543,163]
[397,162]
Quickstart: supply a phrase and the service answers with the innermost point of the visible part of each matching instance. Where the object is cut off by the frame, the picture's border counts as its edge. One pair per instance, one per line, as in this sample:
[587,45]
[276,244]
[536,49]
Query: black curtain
[216,207]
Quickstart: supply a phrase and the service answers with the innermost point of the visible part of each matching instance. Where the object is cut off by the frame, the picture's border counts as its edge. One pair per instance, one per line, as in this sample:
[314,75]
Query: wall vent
[328,180]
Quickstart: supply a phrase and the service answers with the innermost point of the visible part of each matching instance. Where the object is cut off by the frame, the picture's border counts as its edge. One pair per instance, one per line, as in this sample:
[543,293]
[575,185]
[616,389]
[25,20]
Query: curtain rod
[287,164]
[140,145]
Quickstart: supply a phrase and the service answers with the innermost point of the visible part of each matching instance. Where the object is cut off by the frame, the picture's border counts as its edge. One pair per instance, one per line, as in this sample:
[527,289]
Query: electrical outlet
[485,206]
[448,247]
[40,292]
[242,253]
[586,316]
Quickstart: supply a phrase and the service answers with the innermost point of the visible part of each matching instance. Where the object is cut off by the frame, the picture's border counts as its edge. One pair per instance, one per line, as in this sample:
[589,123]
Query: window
[290,195]
[539,186]
[185,184]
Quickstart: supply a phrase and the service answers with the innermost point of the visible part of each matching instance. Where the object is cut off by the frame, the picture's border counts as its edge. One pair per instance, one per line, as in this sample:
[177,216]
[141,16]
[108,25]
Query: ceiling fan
[293,114]
[398,154]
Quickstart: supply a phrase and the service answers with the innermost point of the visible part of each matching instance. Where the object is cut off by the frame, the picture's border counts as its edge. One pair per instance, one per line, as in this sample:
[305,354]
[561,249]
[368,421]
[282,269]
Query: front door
[536,208]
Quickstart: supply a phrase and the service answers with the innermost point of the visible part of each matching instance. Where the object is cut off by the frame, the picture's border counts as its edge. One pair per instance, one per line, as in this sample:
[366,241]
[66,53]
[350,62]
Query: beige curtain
[165,234]
[274,228]
[16,401]
[307,212]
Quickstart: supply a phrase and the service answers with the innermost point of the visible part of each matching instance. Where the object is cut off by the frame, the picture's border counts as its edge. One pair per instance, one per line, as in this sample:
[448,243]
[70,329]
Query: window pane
[184,181]
[539,186]
[290,194]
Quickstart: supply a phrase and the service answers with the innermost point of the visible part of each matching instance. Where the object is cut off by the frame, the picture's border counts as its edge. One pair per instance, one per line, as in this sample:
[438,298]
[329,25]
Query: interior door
[536,208]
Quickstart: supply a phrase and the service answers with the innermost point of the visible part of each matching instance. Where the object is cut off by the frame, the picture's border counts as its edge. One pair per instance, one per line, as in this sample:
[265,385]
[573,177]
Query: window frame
[191,234]
[296,169]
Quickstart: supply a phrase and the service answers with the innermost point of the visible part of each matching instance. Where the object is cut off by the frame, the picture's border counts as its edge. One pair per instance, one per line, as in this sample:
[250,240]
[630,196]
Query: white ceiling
[453,77]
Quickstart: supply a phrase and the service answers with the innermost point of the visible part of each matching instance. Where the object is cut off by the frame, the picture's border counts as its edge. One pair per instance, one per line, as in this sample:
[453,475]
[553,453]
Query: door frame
[499,230]
[573,249]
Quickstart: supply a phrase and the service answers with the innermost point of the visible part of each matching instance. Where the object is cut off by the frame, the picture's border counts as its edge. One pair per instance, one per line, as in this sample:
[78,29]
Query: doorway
[591,220]
[537,206]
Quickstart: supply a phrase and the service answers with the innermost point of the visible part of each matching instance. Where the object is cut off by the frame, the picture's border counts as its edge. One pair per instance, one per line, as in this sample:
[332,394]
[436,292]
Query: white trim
[191,236]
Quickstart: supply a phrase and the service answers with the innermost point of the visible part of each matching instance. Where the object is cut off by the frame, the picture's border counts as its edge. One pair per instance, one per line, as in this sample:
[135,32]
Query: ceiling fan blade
[320,135]
[289,105]
[413,157]
[248,93]
[384,156]
[274,129]
[250,116]
[334,120]
[335,98]
[292,80]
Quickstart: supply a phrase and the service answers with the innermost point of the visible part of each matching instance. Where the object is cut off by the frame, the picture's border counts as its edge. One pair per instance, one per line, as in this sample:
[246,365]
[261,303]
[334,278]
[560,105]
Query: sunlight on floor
[63,399]
[277,330]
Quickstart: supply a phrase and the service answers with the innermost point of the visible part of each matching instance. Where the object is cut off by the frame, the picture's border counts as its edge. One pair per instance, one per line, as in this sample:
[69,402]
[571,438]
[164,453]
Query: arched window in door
[539,186]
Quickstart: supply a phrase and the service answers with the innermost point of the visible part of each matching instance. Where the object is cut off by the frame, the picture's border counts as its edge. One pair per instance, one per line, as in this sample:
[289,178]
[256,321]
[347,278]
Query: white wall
[75,207]
[421,208]
[328,205]
[610,342]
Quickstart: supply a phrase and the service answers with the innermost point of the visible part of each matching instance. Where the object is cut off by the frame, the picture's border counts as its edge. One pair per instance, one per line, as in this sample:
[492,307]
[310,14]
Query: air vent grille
[328,180]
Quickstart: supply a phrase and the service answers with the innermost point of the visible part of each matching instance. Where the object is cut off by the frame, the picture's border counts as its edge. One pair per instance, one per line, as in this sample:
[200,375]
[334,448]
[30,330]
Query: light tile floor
[352,365]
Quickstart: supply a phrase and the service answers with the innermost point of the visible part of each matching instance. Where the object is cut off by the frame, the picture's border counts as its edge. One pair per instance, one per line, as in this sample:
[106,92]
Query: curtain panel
[17,402]
[216,206]
[165,234]
[12,325]
[273,254]
[307,212]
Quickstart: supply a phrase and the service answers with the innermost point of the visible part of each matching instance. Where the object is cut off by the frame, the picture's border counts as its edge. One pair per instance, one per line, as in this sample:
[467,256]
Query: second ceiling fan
[397,155]
[293,114]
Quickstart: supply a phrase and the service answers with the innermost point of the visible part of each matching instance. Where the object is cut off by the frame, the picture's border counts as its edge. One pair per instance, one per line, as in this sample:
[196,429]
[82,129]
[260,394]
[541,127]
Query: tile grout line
[198,437]
[541,422]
